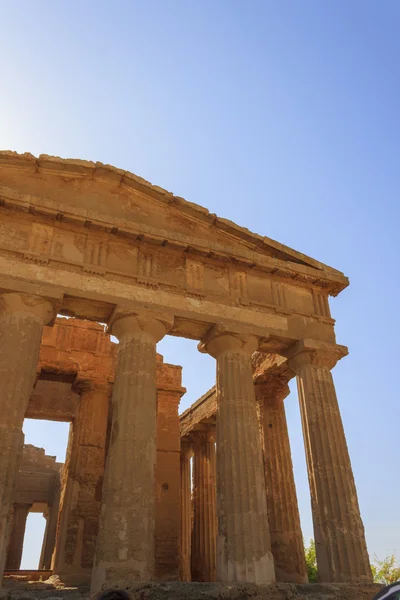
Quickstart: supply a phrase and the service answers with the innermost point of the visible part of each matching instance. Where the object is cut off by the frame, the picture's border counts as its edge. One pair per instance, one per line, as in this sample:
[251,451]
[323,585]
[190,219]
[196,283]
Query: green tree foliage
[311,562]
[386,571]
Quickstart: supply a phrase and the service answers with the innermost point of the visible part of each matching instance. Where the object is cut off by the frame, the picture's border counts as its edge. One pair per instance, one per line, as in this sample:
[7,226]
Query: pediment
[119,201]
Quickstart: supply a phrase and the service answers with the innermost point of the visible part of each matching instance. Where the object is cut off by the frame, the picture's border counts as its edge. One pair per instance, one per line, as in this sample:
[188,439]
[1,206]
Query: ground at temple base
[13,590]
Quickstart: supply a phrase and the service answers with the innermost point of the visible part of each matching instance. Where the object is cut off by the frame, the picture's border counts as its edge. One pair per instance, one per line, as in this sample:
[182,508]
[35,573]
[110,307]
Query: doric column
[49,539]
[83,477]
[186,510]
[204,534]
[125,543]
[283,511]
[16,543]
[167,497]
[22,317]
[339,533]
[41,565]
[243,542]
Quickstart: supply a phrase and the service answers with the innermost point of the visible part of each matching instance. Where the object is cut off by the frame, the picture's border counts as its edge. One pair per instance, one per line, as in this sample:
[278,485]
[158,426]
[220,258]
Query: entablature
[198,294]
[91,237]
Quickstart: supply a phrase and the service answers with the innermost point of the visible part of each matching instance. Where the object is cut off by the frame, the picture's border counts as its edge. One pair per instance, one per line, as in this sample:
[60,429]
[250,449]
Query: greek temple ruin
[146,494]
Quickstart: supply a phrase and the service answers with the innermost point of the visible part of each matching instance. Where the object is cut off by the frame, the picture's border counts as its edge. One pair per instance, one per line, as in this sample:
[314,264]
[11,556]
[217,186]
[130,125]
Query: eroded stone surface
[204,530]
[200,591]
[125,544]
[94,242]
[21,322]
[38,487]
[76,371]
[283,513]
[243,540]
[339,532]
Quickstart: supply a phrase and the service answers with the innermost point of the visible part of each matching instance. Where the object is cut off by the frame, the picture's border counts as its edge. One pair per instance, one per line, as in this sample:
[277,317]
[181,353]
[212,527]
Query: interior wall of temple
[75,377]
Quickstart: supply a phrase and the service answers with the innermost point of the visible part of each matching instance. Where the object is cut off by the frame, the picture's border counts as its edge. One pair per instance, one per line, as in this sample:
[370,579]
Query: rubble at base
[54,590]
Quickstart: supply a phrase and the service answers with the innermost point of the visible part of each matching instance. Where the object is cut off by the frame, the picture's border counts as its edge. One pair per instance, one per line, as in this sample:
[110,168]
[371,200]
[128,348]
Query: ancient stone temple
[145,495]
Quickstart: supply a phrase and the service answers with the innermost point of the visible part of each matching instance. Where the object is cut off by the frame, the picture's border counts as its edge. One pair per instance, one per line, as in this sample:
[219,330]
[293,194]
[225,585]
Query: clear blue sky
[280,115]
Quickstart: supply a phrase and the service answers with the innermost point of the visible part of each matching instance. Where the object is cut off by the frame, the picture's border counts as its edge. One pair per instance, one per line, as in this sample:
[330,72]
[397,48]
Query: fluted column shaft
[125,543]
[22,317]
[204,534]
[16,543]
[186,511]
[283,511]
[339,532]
[81,498]
[243,542]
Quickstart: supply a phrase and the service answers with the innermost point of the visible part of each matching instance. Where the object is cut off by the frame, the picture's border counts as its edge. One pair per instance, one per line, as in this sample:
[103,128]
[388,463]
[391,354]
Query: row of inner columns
[18,525]
[244,542]
[339,533]
[198,535]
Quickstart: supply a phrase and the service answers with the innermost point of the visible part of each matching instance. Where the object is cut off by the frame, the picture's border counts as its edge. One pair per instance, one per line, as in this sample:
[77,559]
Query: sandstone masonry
[104,246]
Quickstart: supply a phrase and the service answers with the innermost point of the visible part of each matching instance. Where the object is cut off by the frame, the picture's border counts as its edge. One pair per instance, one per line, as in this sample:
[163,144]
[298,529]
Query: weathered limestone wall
[35,459]
[37,477]
[76,372]
[84,469]
[21,322]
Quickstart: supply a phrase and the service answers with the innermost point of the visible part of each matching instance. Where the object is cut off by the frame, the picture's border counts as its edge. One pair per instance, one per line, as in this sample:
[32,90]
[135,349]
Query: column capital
[314,353]
[85,384]
[219,340]
[13,303]
[22,506]
[125,323]
[187,447]
[206,432]
[271,389]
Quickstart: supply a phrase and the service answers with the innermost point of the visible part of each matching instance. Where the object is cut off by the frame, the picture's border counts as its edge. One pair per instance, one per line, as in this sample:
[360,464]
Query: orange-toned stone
[167,501]
[82,484]
[85,238]
[243,542]
[339,532]
[204,533]
[186,511]
[22,317]
[125,542]
[283,513]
